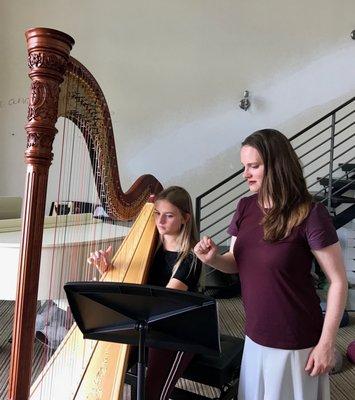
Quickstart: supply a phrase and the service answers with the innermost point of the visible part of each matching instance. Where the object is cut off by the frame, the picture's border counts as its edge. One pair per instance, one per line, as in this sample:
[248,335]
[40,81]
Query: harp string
[57,239]
[47,349]
[73,163]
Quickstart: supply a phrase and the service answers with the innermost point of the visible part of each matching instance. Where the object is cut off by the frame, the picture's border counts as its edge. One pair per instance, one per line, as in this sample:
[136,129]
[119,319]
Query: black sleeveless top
[161,270]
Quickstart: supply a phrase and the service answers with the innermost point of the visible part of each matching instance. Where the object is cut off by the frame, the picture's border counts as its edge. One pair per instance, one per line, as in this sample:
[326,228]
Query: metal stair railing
[321,146]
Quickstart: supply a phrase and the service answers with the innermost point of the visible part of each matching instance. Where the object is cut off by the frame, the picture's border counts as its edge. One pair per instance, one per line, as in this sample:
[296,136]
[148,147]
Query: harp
[51,68]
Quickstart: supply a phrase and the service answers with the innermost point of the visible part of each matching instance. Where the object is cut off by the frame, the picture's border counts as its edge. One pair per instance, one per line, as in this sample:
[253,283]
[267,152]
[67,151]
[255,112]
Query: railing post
[198,226]
[198,214]
[331,159]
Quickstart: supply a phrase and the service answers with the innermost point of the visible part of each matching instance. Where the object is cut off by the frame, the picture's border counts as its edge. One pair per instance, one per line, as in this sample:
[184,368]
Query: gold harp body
[98,374]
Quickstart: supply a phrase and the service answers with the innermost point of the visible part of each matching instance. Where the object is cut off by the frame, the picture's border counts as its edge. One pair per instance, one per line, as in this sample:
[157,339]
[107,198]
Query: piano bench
[220,371]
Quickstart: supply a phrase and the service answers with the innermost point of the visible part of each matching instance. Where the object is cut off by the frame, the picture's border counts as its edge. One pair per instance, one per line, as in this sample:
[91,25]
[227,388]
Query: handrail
[323,130]
[218,185]
[322,119]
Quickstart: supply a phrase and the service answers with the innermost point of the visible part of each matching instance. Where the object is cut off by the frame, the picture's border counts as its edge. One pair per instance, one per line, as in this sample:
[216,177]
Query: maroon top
[281,305]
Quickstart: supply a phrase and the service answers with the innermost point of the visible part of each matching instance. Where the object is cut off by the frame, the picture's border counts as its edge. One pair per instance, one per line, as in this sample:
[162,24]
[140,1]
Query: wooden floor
[231,322]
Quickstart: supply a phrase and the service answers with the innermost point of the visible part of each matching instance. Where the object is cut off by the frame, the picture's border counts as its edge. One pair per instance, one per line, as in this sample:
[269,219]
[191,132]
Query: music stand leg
[142,328]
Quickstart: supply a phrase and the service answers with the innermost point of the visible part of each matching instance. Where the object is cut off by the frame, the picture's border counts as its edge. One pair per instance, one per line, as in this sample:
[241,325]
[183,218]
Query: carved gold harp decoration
[97,367]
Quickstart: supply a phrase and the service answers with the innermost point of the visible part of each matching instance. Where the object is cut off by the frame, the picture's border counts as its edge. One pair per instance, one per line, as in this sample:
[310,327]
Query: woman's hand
[101,259]
[206,250]
[320,360]
[331,261]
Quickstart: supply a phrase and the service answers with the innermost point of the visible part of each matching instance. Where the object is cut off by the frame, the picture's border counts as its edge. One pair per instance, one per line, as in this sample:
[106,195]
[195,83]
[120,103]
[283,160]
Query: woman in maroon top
[275,233]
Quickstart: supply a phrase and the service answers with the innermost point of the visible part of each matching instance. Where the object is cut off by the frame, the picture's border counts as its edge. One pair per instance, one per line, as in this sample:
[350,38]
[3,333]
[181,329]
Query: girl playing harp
[174,266]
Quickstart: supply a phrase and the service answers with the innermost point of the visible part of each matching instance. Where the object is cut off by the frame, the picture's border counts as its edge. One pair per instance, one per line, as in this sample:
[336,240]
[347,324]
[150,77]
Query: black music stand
[145,315]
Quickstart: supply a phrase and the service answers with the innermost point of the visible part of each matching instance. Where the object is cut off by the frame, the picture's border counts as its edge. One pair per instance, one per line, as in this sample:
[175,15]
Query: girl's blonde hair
[188,237]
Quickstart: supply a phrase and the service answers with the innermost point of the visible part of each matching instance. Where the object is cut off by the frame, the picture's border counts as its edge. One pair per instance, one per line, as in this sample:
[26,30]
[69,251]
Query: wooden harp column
[47,65]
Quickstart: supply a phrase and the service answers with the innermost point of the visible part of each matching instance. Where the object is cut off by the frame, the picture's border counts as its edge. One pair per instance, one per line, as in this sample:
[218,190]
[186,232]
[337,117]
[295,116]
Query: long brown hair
[181,199]
[283,187]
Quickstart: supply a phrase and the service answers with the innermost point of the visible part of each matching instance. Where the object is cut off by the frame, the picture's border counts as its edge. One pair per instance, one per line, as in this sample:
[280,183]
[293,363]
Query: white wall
[174,71]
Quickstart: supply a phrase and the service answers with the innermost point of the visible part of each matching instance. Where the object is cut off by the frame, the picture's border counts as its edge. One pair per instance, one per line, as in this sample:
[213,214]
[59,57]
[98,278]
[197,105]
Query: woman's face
[168,218]
[253,167]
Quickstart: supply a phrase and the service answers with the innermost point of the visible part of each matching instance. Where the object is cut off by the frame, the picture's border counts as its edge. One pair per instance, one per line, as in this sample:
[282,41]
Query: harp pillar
[48,55]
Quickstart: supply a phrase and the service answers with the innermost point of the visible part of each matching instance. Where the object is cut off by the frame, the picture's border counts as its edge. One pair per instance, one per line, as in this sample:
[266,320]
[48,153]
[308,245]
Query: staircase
[342,194]
[326,150]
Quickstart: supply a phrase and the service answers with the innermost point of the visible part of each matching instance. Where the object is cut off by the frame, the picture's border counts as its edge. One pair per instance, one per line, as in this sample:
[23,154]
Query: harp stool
[220,371]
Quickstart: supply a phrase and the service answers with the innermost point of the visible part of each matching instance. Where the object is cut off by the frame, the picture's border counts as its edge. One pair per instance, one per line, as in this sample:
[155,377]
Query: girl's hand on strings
[206,250]
[101,259]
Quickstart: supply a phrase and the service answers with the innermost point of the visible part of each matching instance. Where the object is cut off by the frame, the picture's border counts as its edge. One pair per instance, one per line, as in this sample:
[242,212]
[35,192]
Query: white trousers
[277,374]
